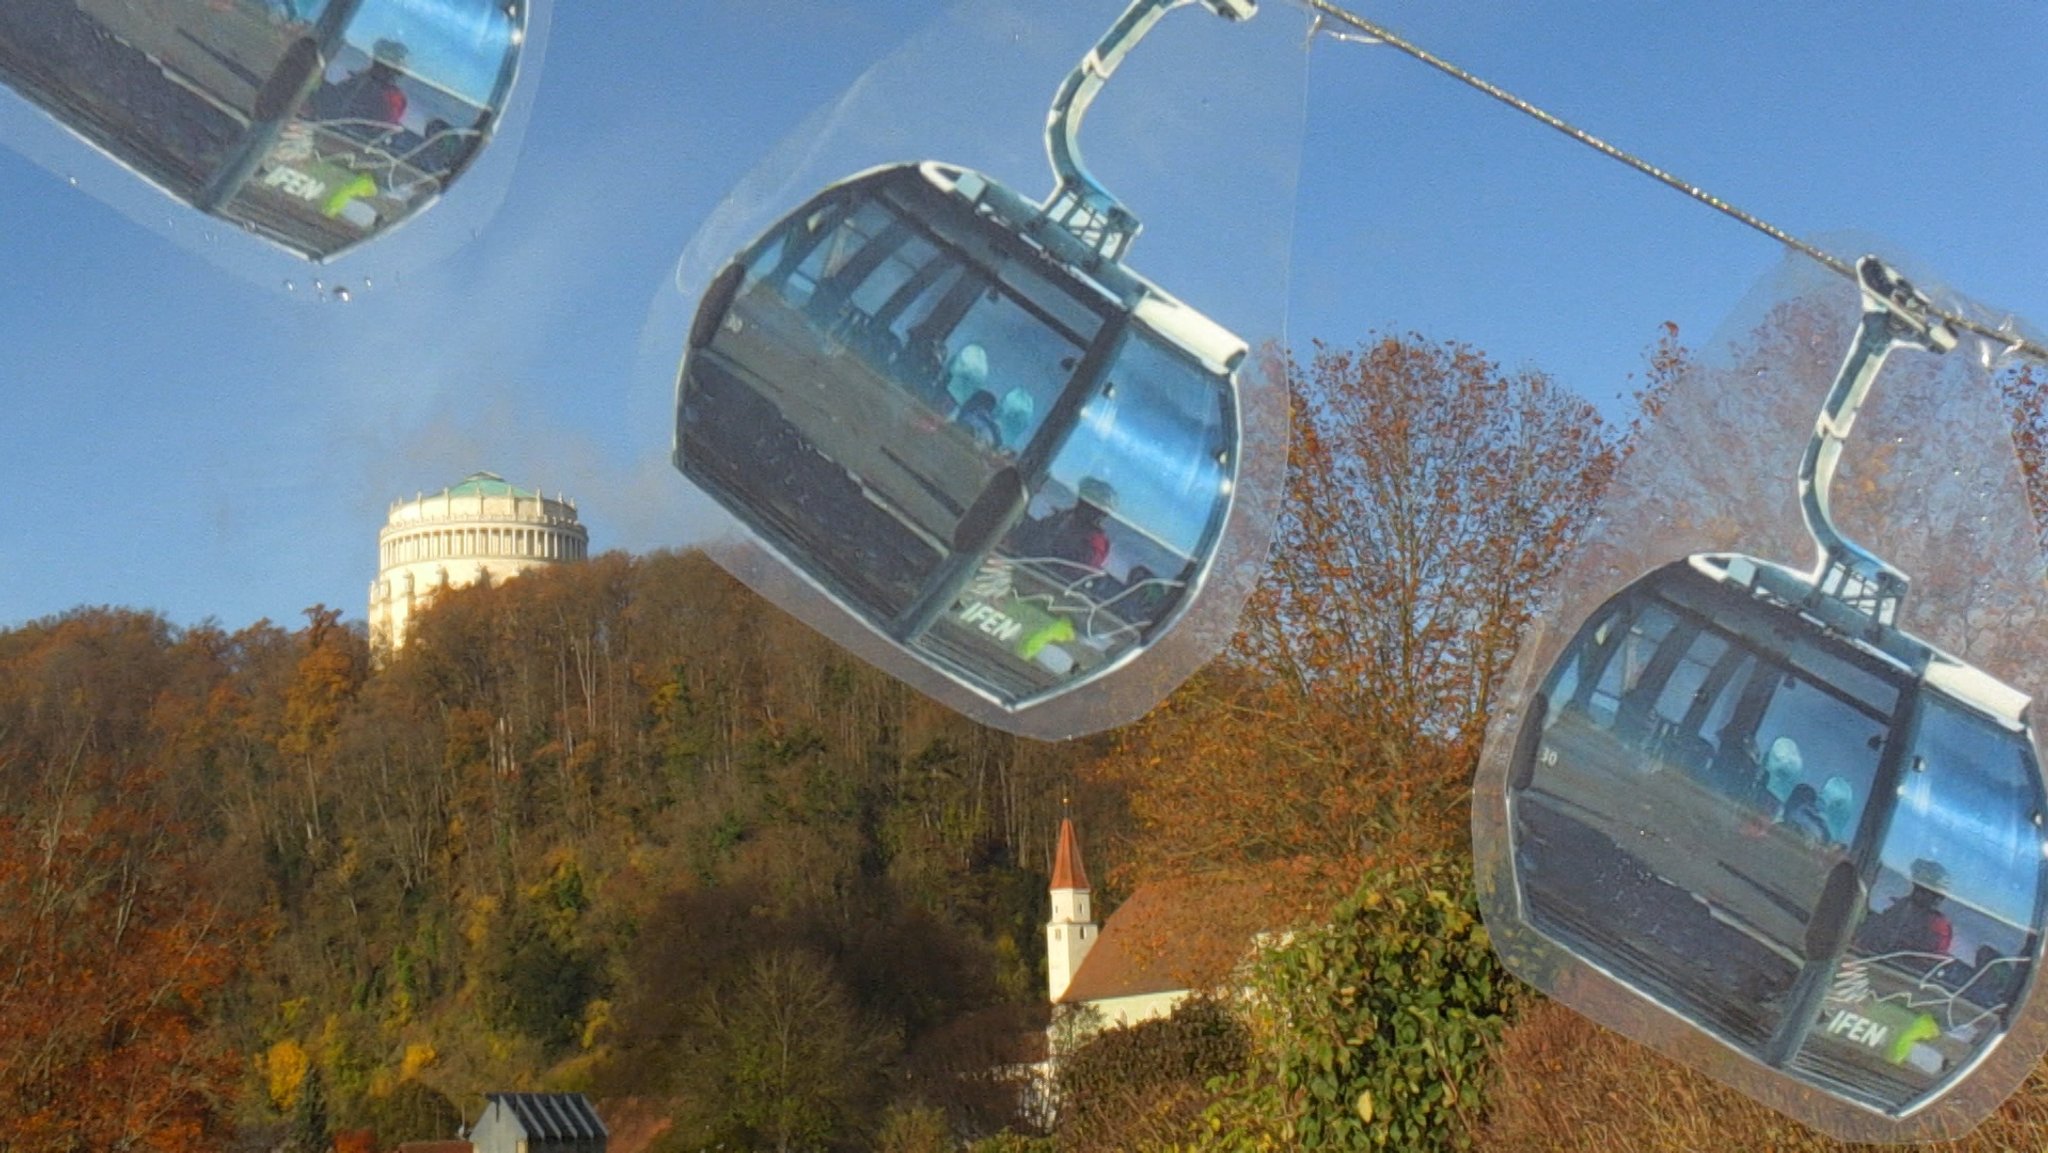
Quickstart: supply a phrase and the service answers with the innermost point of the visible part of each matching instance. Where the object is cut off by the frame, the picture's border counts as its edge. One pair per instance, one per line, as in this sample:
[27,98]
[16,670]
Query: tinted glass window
[1626,659]
[1111,542]
[406,99]
[1943,947]
[1686,809]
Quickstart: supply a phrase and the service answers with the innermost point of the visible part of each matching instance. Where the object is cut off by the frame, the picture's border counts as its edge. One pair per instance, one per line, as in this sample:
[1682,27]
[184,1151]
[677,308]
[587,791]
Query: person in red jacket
[371,96]
[1076,534]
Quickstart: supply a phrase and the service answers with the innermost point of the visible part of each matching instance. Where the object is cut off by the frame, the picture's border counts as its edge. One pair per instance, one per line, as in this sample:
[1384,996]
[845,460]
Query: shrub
[1373,1031]
[1014,1143]
[914,1129]
[1146,1083]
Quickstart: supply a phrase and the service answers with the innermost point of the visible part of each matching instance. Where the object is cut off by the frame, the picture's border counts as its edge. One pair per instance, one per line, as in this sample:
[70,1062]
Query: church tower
[1072,930]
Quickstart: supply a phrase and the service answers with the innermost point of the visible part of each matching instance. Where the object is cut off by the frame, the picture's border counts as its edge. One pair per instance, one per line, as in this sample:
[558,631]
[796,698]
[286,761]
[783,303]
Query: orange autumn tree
[110,948]
[1430,496]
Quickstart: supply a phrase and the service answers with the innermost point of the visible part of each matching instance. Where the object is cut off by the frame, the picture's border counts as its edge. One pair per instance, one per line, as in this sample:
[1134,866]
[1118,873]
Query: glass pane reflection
[1109,544]
[1941,954]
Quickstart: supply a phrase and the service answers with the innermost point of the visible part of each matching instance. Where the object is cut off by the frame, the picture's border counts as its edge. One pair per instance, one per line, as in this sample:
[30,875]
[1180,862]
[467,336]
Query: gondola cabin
[315,124]
[1827,855]
[1008,455]
[1746,795]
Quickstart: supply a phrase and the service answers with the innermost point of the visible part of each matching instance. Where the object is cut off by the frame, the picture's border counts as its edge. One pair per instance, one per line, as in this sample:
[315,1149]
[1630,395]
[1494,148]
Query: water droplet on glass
[290,287]
[341,293]
[367,283]
[72,181]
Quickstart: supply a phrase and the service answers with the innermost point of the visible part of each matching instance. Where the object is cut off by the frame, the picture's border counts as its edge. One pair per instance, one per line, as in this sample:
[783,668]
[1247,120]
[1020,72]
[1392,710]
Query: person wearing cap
[1914,923]
[372,95]
[1077,533]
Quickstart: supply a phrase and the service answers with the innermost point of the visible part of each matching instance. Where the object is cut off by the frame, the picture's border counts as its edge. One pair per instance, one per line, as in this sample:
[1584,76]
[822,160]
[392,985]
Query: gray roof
[553,1116]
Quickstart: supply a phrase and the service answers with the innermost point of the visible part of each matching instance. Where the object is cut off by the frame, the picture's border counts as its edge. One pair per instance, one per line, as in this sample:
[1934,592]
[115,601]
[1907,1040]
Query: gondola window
[1939,959]
[1106,549]
[858,309]
[1745,777]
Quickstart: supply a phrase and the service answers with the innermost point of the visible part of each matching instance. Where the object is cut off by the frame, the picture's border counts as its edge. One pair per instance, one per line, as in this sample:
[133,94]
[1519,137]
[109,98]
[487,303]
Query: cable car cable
[2012,342]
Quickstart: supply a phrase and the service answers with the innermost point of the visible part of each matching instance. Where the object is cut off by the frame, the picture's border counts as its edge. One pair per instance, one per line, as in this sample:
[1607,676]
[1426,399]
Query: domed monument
[468,533]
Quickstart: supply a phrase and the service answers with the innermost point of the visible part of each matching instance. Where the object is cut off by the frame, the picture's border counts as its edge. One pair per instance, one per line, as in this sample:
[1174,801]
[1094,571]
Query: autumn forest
[623,828]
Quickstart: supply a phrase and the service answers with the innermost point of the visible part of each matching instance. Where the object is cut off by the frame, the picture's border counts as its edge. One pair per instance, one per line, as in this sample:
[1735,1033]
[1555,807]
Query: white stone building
[476,531]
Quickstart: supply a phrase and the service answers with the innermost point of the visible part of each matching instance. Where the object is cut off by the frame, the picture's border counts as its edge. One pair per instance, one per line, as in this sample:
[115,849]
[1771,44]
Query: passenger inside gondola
[966,375]
[1803,815]
[1074,534]
[1838,809]
[368,104]
[1915,922]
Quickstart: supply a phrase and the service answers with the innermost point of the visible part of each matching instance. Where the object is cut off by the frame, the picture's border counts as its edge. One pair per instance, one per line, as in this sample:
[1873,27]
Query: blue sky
[185,433]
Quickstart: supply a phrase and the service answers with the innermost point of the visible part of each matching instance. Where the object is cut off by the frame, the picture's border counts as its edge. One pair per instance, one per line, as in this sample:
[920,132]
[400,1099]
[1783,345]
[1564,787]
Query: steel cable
[2011,342]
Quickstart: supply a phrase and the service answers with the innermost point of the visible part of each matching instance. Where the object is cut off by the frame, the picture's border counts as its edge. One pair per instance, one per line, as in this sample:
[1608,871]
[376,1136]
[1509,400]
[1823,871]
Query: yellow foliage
[284,1073]
[642,858]
[418,1056]
[597,1018]
[401,1010]
[477,927]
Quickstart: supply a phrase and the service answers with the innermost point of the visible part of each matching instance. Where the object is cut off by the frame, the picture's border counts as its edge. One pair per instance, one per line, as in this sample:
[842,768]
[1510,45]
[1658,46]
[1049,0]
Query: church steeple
[1067,872]
[1072,930]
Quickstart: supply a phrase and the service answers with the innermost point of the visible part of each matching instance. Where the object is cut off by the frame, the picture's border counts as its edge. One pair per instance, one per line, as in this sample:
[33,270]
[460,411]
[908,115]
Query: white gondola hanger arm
[1895,315]
[1079,203]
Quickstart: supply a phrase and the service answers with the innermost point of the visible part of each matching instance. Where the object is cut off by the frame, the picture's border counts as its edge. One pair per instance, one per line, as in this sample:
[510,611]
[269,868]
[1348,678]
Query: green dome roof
[489,484]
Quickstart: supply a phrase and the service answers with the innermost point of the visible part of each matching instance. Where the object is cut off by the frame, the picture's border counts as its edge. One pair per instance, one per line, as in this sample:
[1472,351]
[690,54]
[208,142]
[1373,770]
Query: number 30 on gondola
[1745,807]
[966,427]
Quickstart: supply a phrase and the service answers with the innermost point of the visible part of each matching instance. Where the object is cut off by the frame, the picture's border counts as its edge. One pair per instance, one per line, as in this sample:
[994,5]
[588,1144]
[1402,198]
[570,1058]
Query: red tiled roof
[1067,872]
[1182,934]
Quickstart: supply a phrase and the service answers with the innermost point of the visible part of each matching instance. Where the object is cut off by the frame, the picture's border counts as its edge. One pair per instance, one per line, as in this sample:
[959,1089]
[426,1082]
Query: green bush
[1374,1030]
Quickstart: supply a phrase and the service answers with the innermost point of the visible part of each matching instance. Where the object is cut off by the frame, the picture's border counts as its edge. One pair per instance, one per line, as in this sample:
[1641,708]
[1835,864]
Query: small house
[538,1123]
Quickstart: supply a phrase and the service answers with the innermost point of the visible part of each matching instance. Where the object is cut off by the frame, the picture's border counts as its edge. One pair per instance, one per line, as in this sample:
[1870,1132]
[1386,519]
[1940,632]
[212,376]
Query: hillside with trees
[622,828]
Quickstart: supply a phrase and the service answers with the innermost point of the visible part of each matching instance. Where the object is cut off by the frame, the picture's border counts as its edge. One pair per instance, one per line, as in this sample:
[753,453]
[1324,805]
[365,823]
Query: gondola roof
[1217,347]
[1910,655]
